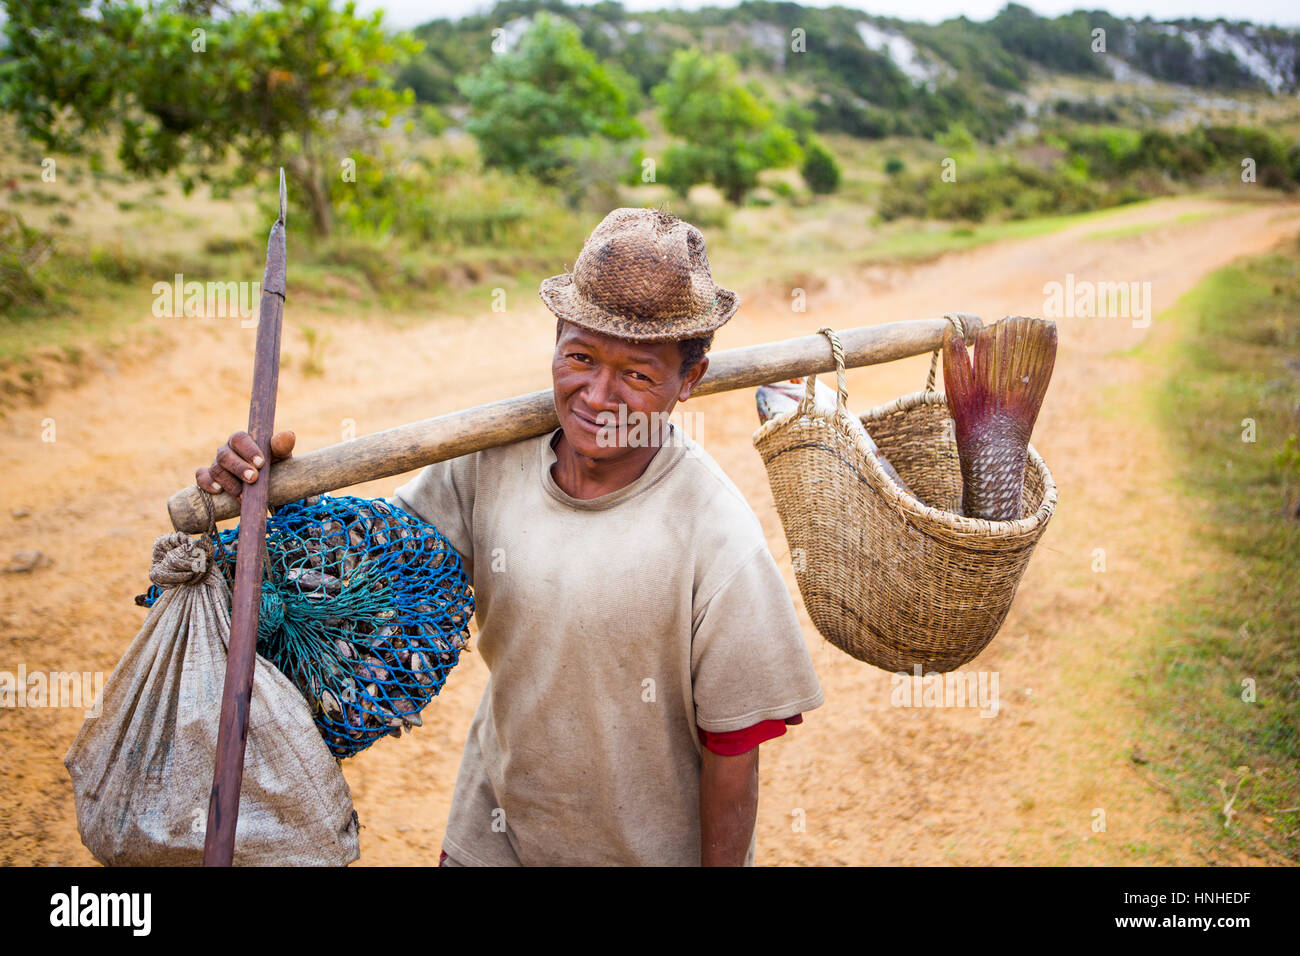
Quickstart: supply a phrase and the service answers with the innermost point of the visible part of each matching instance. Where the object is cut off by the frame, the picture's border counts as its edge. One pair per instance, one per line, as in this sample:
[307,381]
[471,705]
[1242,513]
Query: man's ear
[693,378]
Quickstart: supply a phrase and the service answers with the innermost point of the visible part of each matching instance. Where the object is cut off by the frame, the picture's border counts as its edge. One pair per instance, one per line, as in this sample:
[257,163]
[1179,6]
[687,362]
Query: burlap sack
[142,770]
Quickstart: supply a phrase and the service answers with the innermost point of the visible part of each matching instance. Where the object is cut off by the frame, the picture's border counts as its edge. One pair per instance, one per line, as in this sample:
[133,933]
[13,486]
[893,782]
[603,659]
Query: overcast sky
[409,13]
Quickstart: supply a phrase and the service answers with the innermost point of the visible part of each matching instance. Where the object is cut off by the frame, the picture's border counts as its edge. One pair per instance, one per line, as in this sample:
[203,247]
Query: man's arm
[728,807]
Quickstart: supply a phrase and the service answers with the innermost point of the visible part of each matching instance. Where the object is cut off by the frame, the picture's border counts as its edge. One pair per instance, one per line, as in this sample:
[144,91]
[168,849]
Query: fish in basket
[365,608]
[914,522]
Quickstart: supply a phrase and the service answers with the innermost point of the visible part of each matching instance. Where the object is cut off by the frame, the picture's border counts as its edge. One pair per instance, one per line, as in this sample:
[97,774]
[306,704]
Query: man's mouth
[593,423]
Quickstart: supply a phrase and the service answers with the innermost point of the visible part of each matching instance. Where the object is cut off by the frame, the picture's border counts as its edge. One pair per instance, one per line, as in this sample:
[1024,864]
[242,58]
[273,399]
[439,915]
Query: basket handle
[810,381]
[958,321]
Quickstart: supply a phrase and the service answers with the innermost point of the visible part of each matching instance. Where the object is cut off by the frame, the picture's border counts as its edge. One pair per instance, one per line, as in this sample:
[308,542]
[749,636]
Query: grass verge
[1138,228]
[1223,685]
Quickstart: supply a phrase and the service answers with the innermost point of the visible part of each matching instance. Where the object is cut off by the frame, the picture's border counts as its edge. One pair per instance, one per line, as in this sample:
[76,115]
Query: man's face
[614,396]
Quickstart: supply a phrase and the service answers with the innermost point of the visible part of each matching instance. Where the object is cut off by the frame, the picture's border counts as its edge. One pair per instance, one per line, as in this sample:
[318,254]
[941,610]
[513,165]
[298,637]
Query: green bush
[1181,156]
[820,171]
[1114,155]
[1102,152]
[21,251]
[956,138]
[1232,144]
[996,189]
[115,264]
[901,203]
[444,201]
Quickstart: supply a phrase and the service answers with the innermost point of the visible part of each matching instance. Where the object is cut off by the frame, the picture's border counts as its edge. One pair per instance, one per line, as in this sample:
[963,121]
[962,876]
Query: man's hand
[728,807]
[238,462]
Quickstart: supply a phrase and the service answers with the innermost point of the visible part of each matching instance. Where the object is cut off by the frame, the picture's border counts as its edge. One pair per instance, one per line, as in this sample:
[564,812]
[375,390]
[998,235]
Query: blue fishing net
[364,607]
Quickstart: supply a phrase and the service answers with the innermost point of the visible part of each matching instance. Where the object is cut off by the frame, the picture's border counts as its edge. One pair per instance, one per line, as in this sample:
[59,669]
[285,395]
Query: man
[640,638]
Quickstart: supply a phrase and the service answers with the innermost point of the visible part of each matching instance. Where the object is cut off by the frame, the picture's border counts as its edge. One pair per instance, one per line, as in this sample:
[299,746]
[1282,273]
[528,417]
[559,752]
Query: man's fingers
[229,483]
[203,478]
[238,461]
[242,444]
[237,466]
[215,479]
[282,445]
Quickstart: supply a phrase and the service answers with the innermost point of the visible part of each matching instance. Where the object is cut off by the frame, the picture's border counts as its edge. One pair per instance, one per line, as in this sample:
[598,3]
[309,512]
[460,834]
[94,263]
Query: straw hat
[642,275]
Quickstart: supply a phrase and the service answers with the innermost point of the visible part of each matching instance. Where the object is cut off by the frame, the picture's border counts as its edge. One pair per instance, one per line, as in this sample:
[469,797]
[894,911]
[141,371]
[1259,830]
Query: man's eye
[641,377]
[580,356]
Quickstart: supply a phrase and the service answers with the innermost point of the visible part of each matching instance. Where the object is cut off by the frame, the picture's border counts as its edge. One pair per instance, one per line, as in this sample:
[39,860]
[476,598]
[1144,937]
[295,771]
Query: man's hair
[692,350]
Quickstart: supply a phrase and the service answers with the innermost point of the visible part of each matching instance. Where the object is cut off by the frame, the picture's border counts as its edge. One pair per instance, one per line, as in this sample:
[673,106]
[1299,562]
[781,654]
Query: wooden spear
[232,731]
[406,447]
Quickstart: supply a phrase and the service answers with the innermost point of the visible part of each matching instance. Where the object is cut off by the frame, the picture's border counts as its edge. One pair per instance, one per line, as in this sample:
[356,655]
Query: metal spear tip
[282,199]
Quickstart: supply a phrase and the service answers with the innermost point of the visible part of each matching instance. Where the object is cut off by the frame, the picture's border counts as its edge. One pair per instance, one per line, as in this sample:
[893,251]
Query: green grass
[749,258]
[81,290]
[1236,357]
[1138,228]
[913,243]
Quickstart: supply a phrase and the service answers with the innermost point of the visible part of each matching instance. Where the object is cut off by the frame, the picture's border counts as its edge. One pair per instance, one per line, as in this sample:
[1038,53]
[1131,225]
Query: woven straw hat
[642,275]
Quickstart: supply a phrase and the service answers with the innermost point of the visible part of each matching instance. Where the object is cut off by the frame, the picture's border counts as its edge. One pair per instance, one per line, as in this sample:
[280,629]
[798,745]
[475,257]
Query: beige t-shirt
[612,627]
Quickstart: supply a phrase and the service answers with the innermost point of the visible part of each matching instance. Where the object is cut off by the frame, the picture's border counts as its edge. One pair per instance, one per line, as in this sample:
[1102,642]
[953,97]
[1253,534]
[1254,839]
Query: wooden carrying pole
[407,447]
[232,731]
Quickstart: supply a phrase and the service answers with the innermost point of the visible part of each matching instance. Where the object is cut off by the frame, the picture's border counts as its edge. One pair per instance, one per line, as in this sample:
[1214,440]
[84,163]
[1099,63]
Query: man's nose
[601,391]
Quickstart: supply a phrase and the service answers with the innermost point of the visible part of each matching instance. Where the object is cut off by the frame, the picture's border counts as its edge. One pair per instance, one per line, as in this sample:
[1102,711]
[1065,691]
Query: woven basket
[888,579]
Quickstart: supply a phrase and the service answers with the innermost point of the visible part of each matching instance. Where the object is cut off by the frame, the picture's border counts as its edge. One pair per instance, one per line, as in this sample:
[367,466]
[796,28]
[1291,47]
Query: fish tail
[1014,362]
[994,404]
[964,399]
[1013,365]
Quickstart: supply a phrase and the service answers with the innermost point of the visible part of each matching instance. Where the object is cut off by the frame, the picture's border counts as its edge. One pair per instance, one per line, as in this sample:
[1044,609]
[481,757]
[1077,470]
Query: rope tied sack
[365,608]
[179,560]
[891,578]
[141,765]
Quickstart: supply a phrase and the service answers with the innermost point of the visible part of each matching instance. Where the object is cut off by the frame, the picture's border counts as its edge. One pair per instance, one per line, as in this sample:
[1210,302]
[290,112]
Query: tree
[729,129]
[1061,44]
[529,108]
[820,171]
[296,84]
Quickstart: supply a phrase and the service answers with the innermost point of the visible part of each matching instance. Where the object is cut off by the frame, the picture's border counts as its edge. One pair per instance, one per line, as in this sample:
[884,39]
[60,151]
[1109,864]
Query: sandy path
[876,784]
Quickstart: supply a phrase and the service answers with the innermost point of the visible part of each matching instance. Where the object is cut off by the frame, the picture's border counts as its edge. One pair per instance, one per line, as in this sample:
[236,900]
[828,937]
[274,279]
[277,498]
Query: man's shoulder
[461,476]
[516,455]
[723,516]
[714,486]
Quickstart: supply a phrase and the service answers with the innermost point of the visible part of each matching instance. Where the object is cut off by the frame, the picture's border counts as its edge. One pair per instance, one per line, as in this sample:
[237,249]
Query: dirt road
[859,782]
